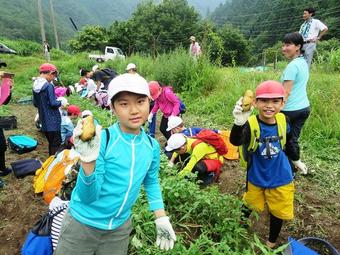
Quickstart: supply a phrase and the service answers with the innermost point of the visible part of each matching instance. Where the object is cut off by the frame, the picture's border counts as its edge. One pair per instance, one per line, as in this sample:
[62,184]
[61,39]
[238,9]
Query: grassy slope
[320,137]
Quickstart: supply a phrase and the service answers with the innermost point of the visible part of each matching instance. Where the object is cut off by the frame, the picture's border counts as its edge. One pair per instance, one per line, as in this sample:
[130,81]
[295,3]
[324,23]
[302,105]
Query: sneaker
[5,172]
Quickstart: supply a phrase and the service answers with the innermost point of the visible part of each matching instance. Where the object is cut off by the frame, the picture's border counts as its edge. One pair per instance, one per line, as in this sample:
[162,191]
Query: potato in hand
[247,100]
[89,129]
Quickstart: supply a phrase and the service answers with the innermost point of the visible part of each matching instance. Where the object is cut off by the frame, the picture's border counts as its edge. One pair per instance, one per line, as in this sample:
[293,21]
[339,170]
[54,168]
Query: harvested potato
[89,129]
[247,100]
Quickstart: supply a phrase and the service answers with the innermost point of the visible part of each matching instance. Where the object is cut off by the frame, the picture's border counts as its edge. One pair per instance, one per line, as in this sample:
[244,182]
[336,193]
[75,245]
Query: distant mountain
[19,18]
[205,7]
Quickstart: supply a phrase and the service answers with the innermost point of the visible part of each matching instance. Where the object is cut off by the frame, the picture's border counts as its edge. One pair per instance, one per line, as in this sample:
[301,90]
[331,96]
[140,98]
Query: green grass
[210,94]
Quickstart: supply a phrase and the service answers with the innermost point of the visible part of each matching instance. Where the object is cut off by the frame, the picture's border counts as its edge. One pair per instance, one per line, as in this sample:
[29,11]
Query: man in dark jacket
[48,106]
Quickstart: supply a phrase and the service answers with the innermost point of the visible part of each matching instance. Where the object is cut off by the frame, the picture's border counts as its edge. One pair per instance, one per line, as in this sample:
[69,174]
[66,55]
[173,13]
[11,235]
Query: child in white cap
[114,165]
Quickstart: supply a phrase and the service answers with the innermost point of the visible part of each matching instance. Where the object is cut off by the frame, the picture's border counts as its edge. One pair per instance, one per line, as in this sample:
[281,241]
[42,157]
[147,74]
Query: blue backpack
[22,143]
[39,240]
[182,107]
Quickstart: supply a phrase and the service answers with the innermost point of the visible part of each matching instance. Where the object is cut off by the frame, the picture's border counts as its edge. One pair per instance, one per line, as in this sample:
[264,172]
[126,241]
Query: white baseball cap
[95,67]
[173,122]
[131,66]
[128,82]
[86,113]
[175,141]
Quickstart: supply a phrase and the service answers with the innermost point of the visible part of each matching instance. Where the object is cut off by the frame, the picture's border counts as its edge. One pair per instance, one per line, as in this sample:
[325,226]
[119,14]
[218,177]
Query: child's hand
[150,117]
[89,150]
[166,236]
[240,117]
[63,100]
[301,166]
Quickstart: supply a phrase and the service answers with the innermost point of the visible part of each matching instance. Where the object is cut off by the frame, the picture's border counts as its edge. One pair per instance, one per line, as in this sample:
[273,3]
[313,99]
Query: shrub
[23,47]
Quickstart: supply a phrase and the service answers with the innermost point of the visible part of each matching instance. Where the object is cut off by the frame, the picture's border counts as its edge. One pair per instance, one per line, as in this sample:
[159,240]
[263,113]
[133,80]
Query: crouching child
[114,165]
[262,140]
[196,157]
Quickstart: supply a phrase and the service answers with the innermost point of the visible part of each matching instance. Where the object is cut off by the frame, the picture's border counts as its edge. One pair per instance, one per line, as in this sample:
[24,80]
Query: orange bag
[232,153]
[57,175]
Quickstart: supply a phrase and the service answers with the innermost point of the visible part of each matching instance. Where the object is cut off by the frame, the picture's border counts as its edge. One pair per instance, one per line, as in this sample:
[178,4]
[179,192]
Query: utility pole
[54,25]
[41,19]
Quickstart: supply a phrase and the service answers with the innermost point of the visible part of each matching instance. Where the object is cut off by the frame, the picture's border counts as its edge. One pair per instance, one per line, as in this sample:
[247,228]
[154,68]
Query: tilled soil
[20,208]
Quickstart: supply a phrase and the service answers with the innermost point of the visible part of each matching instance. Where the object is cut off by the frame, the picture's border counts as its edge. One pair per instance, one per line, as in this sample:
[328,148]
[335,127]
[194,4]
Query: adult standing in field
[312,30]
[294,80]
[48,106]
[46,48]
[195,48]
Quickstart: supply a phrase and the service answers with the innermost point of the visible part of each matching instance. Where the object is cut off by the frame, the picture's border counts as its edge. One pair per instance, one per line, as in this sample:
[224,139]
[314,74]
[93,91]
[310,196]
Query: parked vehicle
[5,49]
[111,53]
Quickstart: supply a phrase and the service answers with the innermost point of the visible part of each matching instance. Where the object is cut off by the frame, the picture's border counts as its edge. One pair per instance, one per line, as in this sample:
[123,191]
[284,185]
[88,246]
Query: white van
[111,53]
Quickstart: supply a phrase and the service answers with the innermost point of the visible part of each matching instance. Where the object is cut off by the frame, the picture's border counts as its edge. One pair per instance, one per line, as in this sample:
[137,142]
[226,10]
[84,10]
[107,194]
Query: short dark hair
[294,38]
[83,72]
[310,10]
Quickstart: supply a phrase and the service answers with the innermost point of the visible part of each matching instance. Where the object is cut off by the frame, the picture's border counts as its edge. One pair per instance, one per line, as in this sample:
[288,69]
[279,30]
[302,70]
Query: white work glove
[240,117]
[170,164]
[150,117]
[301,166]
[63,101]
[89,150]
[166,236]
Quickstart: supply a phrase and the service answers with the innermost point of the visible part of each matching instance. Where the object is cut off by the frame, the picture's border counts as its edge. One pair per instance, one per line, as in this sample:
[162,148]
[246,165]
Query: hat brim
[169,148]
[271,95]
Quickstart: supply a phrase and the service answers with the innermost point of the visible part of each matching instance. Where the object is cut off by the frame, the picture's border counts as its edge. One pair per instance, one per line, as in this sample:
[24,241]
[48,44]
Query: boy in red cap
[48,106]
[262,139]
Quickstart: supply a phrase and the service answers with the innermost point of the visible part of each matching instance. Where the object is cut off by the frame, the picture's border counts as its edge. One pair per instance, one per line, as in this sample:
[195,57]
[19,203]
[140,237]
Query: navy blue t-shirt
[270,167]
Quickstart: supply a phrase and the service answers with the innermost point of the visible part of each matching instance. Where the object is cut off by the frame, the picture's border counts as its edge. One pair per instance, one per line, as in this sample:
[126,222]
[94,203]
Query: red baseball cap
[270,89]
[47,67]
[154,88]
[73,110]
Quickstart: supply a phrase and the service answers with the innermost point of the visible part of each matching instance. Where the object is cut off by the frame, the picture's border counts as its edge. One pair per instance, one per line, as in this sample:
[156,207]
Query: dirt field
[316,213]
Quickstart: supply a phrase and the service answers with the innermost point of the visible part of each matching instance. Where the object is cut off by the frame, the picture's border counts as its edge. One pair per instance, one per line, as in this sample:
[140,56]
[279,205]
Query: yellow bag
[232,153]
[39,178]
[57,175]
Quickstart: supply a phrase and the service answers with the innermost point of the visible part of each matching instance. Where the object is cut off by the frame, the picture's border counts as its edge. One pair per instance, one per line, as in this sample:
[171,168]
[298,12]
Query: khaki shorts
[76,238]
[279,200]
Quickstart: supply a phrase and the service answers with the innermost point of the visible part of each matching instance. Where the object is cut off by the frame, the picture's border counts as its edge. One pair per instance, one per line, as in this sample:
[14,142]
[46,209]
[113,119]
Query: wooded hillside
[266,21]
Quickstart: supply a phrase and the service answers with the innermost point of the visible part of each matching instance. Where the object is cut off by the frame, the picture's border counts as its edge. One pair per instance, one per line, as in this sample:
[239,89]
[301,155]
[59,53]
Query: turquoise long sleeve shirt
[105,198]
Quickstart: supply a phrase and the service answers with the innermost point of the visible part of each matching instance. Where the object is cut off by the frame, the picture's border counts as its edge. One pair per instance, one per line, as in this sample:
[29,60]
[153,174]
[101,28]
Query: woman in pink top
[166,101]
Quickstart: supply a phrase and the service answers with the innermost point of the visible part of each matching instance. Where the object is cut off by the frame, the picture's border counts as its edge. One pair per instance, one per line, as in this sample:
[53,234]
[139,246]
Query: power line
[281,9]
[291,18]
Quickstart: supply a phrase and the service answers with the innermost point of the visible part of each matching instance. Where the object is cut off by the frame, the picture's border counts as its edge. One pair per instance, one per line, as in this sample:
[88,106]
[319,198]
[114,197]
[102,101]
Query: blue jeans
[152,126]
[297,120]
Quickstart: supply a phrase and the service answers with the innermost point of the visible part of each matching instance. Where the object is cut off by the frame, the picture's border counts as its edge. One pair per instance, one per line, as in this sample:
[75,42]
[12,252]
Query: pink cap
[47,67]
[270,89]
[73,109]
[154,89]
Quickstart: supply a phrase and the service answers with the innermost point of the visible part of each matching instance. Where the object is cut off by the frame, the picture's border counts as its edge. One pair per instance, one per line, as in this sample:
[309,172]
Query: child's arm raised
[89,184]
